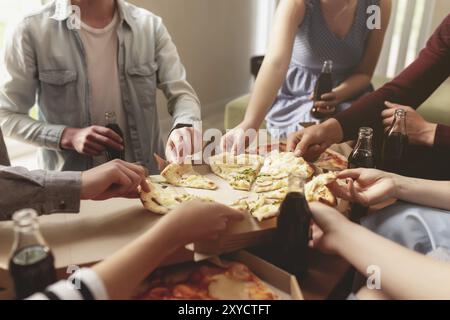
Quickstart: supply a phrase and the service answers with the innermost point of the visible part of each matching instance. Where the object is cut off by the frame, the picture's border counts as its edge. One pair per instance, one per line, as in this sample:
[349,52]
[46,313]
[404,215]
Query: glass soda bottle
[362,154]
[31,265]
[323,85]
[395,144]
[111,123]
[361,157]
[293,229]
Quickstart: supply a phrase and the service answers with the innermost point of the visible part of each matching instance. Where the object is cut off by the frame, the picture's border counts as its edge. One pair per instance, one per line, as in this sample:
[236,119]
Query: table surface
[102,228]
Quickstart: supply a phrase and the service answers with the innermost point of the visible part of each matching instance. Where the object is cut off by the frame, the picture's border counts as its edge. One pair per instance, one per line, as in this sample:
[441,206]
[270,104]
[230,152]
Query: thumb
[233,214]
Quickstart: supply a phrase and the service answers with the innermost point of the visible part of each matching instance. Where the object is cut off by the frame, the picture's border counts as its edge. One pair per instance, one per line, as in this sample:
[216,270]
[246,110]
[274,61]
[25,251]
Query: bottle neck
[327,67]
[399,125]
[110,118]
[26,231]
[364,143]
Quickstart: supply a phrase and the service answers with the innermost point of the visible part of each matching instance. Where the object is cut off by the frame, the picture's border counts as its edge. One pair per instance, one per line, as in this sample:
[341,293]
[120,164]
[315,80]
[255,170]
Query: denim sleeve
[183,103]
[45,191]
[18,88]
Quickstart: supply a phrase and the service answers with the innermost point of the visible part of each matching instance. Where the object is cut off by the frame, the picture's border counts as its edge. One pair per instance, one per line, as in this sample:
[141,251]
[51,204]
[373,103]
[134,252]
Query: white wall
[215,41]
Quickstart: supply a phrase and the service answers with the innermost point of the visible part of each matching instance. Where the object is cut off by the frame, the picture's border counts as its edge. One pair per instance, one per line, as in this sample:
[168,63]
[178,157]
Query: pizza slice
[277,168]
[331,161]
[163,198]
[317,191]
[260,208]
[184,175]
[239,171]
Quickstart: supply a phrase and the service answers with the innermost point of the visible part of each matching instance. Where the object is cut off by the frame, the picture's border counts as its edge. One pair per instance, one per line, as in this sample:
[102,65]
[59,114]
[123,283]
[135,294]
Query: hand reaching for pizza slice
[366,186]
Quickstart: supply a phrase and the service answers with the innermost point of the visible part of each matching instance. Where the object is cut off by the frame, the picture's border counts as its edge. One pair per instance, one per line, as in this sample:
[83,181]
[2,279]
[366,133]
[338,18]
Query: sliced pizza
[163,198]
[260,207]
[206,281]
[331,161]
[184,175]
[317,191]
[277,168]
[239,171]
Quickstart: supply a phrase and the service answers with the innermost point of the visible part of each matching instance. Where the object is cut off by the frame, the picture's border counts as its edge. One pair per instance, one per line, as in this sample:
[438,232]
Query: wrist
[333,130]
[344,236]
[399,186]
[67,138]
[249,124]
[430,134]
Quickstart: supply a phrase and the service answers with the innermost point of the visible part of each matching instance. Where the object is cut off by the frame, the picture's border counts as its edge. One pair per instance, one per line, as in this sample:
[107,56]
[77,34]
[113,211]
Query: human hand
[116,178]
[182,143]
[196,220]
[311,142]
[327,104]
[238,139]
[328,225]
[420,132]
[91,141]
[367,186]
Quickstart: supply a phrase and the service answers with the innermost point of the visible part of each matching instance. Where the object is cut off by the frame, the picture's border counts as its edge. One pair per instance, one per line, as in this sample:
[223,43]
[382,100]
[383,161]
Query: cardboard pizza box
[99,230]
[283,284]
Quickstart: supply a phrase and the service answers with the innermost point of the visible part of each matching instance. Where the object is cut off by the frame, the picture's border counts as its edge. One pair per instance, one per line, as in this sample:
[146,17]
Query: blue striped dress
[315,43]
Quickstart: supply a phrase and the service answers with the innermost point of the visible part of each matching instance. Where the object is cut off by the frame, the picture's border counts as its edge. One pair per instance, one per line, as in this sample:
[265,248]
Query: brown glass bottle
[395,144]
[32,263]
[111,123]
[361,157]
[323,85]
[293,230]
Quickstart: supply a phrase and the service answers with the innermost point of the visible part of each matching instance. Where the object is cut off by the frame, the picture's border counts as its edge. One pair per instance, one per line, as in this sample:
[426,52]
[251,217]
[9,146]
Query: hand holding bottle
[420,132]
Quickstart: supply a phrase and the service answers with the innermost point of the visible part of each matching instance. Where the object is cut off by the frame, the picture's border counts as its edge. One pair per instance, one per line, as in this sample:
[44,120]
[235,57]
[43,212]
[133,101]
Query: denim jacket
[44,60]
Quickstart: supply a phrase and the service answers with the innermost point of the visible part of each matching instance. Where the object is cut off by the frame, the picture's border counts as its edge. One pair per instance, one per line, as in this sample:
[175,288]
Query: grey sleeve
[45,191]
[18,87]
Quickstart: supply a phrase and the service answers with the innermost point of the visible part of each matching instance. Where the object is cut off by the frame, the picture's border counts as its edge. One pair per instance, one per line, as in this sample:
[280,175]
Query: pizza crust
[184,175]
[317,191]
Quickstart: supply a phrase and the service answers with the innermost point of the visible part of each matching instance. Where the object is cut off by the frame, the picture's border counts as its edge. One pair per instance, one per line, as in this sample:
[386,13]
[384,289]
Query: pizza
[239,171]
[331,161]
[277,168]
[184,175]
[206,281]
[163,198]
[260,207]
[317,191]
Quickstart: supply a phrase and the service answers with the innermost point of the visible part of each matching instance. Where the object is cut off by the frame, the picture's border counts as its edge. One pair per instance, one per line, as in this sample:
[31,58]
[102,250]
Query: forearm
[404,274]
[352,86]
[269,81]
[22,127]
[45,191]
[425,192]
[123,272]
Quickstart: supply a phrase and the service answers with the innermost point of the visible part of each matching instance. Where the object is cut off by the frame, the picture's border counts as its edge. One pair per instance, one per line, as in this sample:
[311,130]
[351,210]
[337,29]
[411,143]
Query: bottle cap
[25,217]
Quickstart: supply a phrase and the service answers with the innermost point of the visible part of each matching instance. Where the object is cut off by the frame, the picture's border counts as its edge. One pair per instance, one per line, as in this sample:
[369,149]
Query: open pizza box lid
[98,231]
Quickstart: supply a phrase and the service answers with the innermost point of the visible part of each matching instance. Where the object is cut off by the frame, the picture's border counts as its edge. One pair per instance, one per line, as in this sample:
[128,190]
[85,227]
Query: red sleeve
[412,87]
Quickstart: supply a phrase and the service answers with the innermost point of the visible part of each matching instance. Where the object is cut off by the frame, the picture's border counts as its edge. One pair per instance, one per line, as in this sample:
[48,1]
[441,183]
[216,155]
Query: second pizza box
[280,282]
